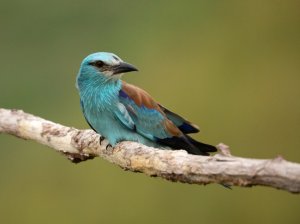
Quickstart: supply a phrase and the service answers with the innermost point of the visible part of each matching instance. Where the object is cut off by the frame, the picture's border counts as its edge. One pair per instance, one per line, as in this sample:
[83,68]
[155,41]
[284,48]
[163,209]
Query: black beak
[123,68]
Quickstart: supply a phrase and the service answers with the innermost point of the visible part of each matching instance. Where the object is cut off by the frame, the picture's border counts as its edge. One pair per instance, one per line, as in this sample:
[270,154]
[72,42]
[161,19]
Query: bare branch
[223,168]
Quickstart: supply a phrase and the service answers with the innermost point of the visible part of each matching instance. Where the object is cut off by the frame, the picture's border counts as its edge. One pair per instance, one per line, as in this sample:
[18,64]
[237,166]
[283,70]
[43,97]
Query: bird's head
[107,65]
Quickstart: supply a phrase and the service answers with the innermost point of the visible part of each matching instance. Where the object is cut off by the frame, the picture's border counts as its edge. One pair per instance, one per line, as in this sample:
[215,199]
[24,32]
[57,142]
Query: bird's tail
[199,148]
[189,144]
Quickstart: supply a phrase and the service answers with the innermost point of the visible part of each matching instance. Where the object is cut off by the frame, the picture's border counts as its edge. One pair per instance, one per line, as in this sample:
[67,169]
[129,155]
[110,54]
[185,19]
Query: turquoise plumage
[120,111]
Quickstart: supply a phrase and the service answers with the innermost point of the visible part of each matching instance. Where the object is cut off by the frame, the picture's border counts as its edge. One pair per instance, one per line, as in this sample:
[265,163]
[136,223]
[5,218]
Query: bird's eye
[98,64]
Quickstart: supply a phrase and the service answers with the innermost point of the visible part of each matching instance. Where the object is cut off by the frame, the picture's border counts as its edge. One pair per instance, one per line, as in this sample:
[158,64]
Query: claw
[101,139]
[108,145]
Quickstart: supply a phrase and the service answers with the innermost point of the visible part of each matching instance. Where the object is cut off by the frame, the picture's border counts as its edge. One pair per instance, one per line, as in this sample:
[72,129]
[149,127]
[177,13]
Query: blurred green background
[233,67]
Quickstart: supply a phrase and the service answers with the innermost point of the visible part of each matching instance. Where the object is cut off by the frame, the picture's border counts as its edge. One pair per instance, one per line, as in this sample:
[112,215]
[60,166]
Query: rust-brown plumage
[142,98]
[174,125]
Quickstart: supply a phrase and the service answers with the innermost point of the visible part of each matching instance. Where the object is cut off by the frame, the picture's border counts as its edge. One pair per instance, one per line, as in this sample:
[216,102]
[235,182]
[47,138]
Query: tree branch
[173,165]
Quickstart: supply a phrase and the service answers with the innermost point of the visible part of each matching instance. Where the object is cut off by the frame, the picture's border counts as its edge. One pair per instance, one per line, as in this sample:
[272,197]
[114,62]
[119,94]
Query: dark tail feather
[190,145]
[201,146]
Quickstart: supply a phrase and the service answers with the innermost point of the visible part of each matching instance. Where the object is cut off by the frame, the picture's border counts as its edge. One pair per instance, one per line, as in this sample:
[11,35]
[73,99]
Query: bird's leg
[101,139]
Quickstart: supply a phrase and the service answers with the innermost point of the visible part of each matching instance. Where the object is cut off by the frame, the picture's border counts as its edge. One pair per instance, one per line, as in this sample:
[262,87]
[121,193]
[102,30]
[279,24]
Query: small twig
[224,149]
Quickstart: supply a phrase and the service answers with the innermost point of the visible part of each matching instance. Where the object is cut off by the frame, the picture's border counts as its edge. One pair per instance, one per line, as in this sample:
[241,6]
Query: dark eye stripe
[98,64]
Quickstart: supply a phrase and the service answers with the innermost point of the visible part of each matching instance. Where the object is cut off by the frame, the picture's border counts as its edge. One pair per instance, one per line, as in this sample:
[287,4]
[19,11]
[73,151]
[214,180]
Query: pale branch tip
[173,165]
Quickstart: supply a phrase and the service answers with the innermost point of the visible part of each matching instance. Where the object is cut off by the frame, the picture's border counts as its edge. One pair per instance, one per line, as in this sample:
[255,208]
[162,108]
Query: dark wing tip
[188,128]
[184,125]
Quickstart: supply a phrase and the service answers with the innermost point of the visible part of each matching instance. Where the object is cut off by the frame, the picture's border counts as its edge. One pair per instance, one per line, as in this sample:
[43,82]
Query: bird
[120,111]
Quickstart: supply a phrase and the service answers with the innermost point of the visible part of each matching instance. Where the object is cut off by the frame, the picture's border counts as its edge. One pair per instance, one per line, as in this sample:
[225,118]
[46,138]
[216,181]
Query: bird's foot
[108,146]
[101,139]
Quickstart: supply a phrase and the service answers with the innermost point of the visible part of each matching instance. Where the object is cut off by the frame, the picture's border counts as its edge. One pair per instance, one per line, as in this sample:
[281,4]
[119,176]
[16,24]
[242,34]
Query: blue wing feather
[159,124]
[122,114]
[184,125]
[148,122]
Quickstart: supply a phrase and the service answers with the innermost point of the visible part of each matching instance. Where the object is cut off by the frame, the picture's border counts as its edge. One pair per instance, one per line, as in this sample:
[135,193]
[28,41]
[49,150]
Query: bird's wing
[184,125]
[121,114]
[157,123]
[148,117]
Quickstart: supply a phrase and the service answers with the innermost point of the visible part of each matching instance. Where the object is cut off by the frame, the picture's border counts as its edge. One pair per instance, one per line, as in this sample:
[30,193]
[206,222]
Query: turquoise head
[102,67]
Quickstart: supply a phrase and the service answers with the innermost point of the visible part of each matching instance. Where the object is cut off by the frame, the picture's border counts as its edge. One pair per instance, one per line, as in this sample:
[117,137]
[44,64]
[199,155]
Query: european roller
[120,111]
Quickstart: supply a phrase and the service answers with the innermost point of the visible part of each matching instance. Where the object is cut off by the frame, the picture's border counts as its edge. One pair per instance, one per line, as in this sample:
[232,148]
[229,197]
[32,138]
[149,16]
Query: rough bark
[173,165]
